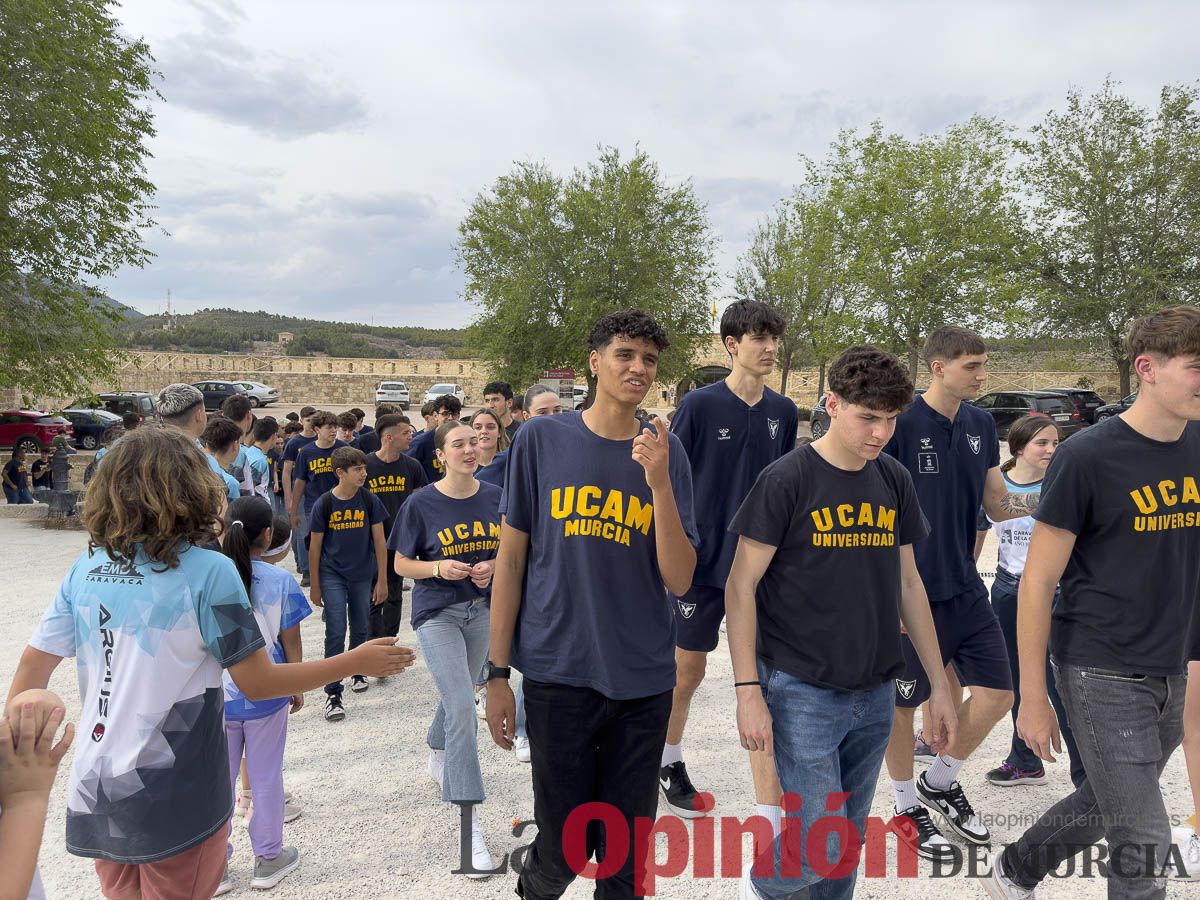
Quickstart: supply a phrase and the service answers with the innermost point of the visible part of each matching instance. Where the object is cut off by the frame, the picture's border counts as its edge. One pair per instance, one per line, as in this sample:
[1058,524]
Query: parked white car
[259,394]
[438,390]
[392,392]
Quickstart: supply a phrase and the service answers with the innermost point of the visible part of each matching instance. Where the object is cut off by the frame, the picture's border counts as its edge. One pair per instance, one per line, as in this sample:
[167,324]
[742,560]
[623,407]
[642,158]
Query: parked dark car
[1108,410]
[818,420]
[1085,402]
[120,402]
[93,427]
[1008,406]
[216,392]
[31,430]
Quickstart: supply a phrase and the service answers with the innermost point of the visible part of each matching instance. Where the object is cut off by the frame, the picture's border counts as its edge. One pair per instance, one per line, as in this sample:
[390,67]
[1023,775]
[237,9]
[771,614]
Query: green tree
[545,257]
[1115,198]
[74,197]
[930,231]
[793,264]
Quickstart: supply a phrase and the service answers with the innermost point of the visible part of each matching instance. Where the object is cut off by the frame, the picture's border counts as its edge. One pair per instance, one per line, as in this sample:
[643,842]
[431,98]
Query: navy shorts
[698,615]
[970,637]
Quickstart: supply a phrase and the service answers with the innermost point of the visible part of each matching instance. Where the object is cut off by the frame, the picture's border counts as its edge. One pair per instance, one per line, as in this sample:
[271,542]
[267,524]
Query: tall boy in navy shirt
[346,548]
[950,449]
[597,522]
[731,431]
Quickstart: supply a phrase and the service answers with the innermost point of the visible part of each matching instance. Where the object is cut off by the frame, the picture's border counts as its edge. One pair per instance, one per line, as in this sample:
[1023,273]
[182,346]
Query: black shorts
[698,615]
[970,636]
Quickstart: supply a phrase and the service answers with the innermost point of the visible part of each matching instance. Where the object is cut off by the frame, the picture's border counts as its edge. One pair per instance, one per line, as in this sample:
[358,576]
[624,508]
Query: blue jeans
[299,538]
[826,742]
[341,597]
[454,642]
[17,495]
[1004,602]
[1127,726]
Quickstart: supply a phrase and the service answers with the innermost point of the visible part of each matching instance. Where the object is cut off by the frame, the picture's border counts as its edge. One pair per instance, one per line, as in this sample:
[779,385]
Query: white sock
[943,772]
[773,814]
[906,794]
[672,753]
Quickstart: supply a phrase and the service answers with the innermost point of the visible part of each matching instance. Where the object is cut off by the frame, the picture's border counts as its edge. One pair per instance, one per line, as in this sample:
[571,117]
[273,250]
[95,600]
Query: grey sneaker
[226,884]
[291,811]
[269,872]
[999,886]
[922,752]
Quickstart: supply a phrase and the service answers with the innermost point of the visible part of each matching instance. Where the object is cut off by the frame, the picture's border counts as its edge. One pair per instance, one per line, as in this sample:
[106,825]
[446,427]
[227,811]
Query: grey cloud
[213,72]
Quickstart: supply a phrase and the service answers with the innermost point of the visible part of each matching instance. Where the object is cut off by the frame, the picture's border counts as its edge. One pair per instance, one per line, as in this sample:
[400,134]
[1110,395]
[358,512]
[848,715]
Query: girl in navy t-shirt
[445,538]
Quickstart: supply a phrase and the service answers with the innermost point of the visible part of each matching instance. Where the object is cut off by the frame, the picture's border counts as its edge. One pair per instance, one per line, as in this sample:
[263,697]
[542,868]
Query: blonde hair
[155,491]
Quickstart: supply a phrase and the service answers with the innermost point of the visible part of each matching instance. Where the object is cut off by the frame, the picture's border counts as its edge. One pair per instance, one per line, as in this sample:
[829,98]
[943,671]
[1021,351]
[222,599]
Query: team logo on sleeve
[906,688]
[686,609]
[975,442]
[772,427]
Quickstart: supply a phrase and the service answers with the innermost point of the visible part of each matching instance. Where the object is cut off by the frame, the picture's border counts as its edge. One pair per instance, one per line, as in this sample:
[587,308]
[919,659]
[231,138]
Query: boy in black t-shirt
[346,549]
[40,471]
[597,526]
[16,479]
[822,580]
[392,477]
[1119,526]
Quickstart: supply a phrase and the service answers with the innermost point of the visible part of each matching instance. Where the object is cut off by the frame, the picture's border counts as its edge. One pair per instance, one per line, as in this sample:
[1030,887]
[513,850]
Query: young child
[153,619]
[260,728]
[346,548]
[16,479]
[40,470]
[29,759]
[221,440]
[258,461]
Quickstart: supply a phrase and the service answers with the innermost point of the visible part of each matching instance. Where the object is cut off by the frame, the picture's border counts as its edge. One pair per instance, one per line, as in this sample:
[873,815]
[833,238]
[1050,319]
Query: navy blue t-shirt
[314,465]
[728,444]
[291,449]
[433,527]
[368,442]
[421,449]
[494,473]
[949,464]
[594,611]
[347,547]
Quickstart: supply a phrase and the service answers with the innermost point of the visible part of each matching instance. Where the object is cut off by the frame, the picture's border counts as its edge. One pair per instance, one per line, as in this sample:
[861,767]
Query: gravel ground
[373,826]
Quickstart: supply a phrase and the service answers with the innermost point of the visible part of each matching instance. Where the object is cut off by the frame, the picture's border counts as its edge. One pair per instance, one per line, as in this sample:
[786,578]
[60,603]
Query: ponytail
[246,519]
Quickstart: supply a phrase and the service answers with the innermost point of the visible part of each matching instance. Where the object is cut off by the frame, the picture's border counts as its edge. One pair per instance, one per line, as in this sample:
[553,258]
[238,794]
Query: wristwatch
[437,569]
[495,671]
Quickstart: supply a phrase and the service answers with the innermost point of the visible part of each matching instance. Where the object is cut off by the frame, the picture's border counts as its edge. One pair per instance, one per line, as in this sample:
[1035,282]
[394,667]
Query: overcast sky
[315,158]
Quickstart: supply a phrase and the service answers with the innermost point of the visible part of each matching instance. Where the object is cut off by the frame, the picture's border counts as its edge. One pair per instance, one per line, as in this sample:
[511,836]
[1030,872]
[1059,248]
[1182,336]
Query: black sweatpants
[386,616]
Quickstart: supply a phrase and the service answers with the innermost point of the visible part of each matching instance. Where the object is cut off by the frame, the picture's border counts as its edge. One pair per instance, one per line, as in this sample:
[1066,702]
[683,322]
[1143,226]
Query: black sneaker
[952,803]
[334,711]
[678,791]
[1008,775]
[358,684]
[304,582]
[930,843]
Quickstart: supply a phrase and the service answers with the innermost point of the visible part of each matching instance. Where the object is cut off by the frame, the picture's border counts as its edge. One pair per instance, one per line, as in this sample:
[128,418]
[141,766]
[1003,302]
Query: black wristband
[738,684]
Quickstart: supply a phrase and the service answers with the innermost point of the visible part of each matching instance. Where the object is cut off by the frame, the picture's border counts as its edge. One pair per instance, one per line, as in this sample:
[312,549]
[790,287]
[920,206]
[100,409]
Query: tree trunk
[912,363]
[1124,366]
[821,380]
[784,372]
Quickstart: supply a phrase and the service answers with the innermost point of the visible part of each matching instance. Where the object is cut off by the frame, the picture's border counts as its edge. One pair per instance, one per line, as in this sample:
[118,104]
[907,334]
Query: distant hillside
[237,331]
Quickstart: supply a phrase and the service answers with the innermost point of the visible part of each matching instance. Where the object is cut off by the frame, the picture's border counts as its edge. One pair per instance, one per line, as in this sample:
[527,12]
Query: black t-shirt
[393,483]
[17,473]
[275,458]
[41,473]
[1132,583]
[829,602]
[511,429]
[368,442]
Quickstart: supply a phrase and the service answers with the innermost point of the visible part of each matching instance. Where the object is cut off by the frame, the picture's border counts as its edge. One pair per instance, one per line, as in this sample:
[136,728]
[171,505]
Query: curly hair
[628,323]
[870,377]
[155,492]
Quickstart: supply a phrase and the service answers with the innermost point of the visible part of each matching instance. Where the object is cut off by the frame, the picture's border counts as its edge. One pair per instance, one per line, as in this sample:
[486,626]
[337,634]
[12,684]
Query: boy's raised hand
[382,657]
[651,451]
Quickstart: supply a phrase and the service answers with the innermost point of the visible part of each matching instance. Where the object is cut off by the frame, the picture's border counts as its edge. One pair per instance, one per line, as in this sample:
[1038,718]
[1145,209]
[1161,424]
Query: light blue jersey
[231,486]
[151,772]
[278,605]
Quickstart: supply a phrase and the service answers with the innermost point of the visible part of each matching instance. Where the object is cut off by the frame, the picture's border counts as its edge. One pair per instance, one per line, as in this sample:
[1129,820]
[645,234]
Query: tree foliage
[1114,192]
[545,257]
[74,196]
[929,230]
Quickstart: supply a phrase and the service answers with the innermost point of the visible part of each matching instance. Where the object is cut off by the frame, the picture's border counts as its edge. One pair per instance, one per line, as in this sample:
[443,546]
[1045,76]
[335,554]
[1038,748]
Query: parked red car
[31,430]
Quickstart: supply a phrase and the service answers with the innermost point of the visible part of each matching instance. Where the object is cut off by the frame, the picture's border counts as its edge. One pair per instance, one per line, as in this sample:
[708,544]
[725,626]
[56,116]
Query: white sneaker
[226,884]
[481,857]
[481,703]
[1187,845]
[437,765]
[746,890]
[521,748]
[999,887]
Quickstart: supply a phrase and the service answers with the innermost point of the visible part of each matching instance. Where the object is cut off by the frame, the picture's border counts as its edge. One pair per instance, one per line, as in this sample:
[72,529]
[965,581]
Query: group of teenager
[597,554]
